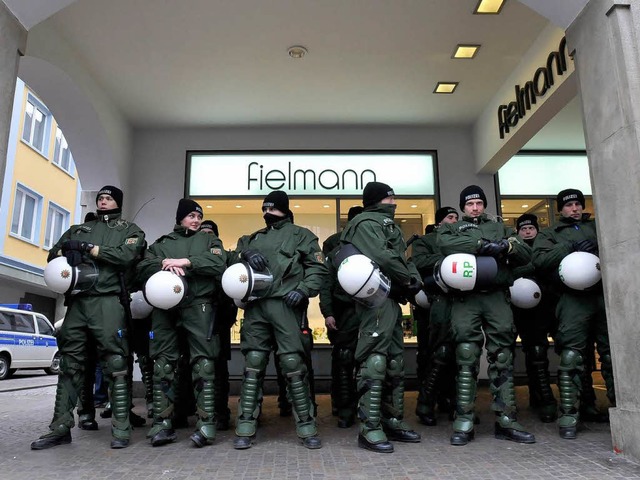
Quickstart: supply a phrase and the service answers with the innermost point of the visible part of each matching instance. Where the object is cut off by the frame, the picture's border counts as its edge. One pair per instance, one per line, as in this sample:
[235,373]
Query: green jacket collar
[384,208]
[568,222]
[183,232]
[477,220]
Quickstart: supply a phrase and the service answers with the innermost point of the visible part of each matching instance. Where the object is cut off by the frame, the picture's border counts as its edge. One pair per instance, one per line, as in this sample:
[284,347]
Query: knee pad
[290,362]
[570,360]
[467,353]
[256,360]
[162,370]
[374,367]
[117,365]
[205,368]
[502,358]
[443,354]
[395,366]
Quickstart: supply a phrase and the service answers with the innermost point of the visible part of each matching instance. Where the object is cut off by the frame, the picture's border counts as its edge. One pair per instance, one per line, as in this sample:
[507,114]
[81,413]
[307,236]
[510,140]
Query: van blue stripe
[31,340]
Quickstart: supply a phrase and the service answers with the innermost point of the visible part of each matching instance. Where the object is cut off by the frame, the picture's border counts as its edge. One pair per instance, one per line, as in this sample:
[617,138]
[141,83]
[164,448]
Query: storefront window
[324,186]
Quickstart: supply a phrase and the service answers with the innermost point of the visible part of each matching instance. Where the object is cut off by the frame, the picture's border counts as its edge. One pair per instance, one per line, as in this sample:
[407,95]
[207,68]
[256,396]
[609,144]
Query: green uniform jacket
[376,235]
[293,255]
[330,243]
[121,244]
[426,253]
[204,251]
[333,298]
[554,243]
[467,235]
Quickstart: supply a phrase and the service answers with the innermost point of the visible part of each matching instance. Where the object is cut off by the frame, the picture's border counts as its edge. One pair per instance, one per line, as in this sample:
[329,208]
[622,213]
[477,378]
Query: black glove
[414,287]
[76,245]
[74,257]
[588,246]
[294,298]
[493,249]
[255,259]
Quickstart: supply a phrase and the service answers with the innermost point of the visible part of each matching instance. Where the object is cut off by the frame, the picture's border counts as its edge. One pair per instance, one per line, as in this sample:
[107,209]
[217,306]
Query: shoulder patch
[319,257]
[466,227]
[85,228]
[216,251]
[131,241]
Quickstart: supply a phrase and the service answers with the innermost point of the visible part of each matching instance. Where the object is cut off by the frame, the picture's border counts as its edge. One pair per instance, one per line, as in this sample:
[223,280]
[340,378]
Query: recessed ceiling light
[297,51]
[296,206]
[466,51]
[525,206]
[209,206]
[404,220]
[546,205]
[501,206]
[238,206]
[446,87]
[326,206]
[489,7]
[414,206]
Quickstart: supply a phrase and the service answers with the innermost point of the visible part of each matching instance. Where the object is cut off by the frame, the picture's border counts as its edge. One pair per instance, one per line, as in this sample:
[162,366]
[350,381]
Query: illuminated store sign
[543,80]
[309,174]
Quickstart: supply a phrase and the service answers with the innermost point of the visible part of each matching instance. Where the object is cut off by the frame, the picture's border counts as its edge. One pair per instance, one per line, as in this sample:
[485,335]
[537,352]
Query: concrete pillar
[13,39]
[606,40]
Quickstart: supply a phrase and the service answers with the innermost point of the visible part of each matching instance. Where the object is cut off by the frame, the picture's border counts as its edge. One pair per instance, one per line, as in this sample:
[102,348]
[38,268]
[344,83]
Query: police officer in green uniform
[226,315]
[292,255]
[436,382]
[339,312]
[96,315]
[534,325]
[477,315]
[199,258]
[379,350]
[580,313]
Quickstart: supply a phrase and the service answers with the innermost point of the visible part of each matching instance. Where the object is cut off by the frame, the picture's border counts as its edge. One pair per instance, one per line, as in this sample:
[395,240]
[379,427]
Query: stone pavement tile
[278,454]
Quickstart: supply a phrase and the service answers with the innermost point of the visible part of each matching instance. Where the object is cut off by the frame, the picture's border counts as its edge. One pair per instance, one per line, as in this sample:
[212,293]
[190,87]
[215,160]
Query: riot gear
[241,282]
[525,293]
[61,277]
[165,290]
[362,279]
[580,270]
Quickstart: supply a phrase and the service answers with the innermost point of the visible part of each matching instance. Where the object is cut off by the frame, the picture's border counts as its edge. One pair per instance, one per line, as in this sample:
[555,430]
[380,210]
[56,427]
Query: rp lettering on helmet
[467,269]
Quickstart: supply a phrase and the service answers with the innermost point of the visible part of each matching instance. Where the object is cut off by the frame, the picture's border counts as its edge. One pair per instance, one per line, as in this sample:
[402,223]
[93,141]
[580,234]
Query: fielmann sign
[308,174]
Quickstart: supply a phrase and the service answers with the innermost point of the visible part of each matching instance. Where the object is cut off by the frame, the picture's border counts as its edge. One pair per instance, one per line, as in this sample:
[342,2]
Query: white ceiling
[225,62]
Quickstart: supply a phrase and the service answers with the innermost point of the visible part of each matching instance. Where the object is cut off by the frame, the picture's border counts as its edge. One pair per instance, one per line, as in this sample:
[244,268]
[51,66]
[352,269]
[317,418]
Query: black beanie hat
[353,211]
[277,199]
[569,195]
[114,192]
[185,207]
[527,219]
[374,192]
[441,213]
[471,192]
[210,224]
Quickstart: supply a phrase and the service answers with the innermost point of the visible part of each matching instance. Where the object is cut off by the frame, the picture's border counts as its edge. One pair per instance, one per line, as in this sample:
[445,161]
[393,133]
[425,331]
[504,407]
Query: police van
[27,340]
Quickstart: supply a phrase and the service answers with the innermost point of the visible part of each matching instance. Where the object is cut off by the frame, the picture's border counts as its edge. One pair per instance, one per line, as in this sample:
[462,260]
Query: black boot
[519,436]
[382,447]
[163,437]
[312,443]
[242,443]
[462,438]
[51,440]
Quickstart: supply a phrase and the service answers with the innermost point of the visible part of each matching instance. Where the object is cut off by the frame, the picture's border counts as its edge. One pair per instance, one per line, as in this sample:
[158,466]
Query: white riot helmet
[580,270]
[422,300]
[165,289]
[241,282]
[140,308]
[61,277]
[362,279]
[525,293]
[58,324]
[465,272]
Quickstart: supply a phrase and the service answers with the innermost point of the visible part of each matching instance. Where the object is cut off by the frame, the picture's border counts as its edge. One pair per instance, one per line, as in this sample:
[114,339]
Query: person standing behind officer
[225,318]
[198,258]
[437,381]
[379,350]
[580,313]
[534,326]
[477,315]
[292,255]
[96,318]
[342,324]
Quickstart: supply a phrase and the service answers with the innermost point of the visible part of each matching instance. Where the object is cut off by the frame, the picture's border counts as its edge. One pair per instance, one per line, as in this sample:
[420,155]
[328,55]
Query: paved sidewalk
[277,453]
